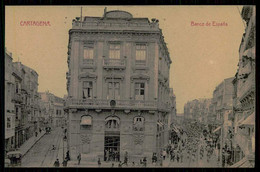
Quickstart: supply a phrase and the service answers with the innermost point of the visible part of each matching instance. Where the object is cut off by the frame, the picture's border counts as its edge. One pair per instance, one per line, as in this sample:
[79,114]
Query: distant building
[54,106]
[172,116]
[197,110]
[118,86]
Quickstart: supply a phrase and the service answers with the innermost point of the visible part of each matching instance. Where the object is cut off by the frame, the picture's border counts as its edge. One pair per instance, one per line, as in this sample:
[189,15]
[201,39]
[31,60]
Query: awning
[86,120]
[216,129]
[249,120]
[250,53]
[243,163]
[16,154]
[175,129]
[112,118]
[160,124]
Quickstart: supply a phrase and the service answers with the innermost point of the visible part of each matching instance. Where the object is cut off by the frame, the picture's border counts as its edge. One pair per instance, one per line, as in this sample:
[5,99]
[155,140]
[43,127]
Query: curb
[33,144]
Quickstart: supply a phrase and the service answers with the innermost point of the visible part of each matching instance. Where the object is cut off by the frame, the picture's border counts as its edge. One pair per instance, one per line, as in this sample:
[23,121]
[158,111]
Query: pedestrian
[57,163]
[144,161]
[64,163]
[106,155]
[178,158]
[112,165]
[36,134]
[53,147]
[68,155]
[126,158]
[99,162]
[133,164]
[164,154]
[119,165]
[141,162]
[181,156]
[79,158]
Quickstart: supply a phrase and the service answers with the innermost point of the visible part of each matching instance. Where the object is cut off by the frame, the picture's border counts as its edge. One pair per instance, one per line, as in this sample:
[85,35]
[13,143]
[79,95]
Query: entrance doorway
[112,146]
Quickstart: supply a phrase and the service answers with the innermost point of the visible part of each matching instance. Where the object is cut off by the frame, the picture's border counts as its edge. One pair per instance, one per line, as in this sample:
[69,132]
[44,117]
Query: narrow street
[41,154]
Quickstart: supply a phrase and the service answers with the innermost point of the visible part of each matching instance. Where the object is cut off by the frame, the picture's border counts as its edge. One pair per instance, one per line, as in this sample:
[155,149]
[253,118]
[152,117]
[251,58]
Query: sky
[202,56]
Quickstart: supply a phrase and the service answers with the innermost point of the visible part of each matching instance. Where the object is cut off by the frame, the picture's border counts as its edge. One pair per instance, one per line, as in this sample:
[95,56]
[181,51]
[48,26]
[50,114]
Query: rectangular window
[87,90]
[89,52]
[114,90]
[139,91]
[8,122]
[114,51]
[140,53]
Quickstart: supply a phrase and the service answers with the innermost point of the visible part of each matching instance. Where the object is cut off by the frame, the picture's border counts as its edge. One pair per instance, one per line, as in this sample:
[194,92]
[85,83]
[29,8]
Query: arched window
[112,122]
[86,122]
[138,123]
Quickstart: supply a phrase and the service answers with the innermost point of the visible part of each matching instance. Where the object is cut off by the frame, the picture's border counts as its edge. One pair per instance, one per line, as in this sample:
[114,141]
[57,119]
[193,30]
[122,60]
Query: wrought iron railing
[114,62]
[126,104]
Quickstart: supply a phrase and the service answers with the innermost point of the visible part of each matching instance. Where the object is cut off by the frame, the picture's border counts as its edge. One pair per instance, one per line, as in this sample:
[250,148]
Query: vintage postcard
[130,86]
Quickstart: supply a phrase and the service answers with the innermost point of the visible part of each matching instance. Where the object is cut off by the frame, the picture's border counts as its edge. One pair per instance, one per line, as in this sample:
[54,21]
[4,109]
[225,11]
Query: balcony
[114,63]
[120,104]
[247,87]
[17,98]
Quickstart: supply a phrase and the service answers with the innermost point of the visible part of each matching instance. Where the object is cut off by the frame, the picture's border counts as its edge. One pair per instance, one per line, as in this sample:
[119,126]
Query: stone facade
[118,86]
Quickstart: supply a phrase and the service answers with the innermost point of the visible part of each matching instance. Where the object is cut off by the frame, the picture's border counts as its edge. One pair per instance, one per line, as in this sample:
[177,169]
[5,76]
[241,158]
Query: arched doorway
[112,139]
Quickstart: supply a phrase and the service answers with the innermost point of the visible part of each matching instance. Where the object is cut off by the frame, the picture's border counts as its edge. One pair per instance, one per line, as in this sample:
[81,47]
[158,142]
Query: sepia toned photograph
[130,86]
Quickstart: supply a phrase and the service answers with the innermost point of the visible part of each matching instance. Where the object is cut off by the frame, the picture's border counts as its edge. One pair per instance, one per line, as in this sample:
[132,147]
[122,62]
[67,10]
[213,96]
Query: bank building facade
[118,87]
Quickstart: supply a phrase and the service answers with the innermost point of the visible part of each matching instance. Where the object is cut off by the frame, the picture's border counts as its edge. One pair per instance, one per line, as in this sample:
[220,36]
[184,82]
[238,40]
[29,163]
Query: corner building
[118,87]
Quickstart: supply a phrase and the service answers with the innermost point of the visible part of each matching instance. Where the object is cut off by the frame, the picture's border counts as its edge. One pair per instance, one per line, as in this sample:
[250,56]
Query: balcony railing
[114,26]
[120,104]
[88,63]
[114,63]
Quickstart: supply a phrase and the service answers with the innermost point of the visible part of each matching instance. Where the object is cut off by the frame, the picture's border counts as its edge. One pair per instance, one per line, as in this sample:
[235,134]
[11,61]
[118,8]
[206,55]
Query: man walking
[99,162]
[79,158]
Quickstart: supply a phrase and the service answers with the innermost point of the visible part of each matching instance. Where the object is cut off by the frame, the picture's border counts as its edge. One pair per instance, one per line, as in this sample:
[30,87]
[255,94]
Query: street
[41,154]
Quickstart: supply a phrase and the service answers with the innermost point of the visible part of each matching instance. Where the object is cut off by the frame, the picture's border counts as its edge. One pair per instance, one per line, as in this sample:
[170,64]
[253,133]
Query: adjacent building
[9,104]
[21,103]
[244,98]
[118,86]
[222,107]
